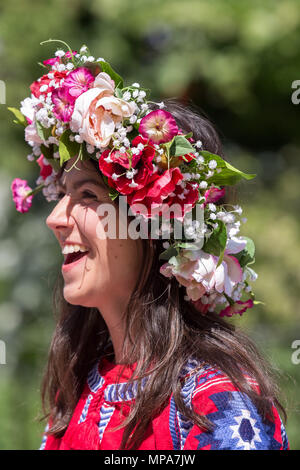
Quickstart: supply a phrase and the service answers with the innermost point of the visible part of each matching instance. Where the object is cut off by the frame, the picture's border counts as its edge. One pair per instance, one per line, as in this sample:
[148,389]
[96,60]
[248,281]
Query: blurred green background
[236,60]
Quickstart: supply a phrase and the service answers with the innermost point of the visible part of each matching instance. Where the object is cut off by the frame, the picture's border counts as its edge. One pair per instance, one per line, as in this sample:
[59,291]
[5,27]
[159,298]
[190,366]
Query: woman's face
[107,274]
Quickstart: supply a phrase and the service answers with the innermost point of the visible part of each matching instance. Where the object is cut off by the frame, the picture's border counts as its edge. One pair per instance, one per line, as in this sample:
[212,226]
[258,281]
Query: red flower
[238,307]
[35,87]
[155,196]
[46,169]
[186,197]
[116,166]
[202,308]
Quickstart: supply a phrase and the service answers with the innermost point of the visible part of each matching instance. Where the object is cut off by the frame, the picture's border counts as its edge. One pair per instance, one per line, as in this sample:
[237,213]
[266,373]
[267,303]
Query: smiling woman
[93,267]
[141,356]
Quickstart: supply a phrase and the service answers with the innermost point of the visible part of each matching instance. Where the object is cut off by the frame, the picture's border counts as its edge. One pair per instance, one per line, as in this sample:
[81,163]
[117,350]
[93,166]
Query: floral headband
[81,108]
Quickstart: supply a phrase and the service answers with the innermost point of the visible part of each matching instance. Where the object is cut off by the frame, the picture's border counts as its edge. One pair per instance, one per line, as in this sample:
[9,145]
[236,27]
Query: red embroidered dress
[237,423]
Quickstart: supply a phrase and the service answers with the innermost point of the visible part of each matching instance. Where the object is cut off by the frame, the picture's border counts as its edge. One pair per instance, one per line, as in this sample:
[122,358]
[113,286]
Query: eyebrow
[79,183]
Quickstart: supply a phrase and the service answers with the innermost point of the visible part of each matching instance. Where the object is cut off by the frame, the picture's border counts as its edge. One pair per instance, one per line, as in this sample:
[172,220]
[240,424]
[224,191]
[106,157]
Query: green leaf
[180,146]
[186,245]
[106,67]
[19,116]
[258,302]
[67,148]
[167,254]
[118,92]
[246,256]
[229,175]
[43,132]
[216,243]
[47,151]
[113,194]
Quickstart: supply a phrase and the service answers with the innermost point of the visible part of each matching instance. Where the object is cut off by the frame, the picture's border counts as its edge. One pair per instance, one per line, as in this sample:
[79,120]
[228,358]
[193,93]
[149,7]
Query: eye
[88,195]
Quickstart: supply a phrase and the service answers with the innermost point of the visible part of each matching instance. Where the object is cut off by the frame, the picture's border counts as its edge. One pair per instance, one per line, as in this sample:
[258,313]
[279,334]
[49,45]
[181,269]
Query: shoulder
[236,422]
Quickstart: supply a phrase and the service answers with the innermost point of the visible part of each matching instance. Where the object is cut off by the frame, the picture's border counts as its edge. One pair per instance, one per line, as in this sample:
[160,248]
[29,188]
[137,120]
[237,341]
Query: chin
[81,298]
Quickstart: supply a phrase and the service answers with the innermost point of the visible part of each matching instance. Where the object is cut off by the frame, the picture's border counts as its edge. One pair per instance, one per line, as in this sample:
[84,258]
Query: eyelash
[85,194]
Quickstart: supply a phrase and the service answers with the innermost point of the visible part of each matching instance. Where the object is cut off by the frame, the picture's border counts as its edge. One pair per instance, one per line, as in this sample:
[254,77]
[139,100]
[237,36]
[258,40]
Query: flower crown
[81,108]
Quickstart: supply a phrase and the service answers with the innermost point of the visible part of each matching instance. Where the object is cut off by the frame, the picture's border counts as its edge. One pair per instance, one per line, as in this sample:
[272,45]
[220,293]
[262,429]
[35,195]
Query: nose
[60,218]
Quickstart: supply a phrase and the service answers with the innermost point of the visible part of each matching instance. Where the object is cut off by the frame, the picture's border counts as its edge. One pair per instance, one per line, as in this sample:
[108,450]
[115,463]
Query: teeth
[73,249]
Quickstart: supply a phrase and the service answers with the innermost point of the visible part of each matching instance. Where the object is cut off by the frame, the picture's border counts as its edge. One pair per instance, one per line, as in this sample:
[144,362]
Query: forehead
[71,174]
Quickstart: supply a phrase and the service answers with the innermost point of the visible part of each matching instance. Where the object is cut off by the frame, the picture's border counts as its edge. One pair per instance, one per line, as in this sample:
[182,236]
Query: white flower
[126,96]
[212,164]
[212,216]
[61,67]
[238,209]
[133,184]
[203,185]
[133,119]
[90,148]
[90,58]
[78,139]
[200,159]
[136,85]
[135,93]
[198,144]
[69,66]
[212,207]
[60,53]
[161,105]
[28,107]
[209,174]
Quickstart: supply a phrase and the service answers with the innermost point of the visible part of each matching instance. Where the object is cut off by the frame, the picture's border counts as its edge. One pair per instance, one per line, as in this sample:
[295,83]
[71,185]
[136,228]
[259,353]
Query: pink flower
[20,189]
[159,126]
[57,60]
[153,194]
[116,167]
[238,307]
[199,272]
[194,269]
[97,111]
[46,168]
[31,134]
[78,81]
[230,273]
[63,104]
[213,194]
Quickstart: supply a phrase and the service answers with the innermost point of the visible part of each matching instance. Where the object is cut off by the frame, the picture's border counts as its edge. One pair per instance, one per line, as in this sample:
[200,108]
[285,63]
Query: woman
[141,357]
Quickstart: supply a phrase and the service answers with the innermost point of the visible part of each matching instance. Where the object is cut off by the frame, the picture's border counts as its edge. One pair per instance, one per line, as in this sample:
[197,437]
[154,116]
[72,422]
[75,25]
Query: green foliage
[67,148]
[217,241]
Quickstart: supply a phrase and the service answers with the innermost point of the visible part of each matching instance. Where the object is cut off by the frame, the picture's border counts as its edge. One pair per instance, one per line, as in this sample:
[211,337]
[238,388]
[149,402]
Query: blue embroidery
[94,379]
[237,425]
[106,413]
[179,425]
[85,409]
[43,443]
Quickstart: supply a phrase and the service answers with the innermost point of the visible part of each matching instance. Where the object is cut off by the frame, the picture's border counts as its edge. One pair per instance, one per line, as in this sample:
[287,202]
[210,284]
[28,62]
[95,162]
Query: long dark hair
[163,331]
